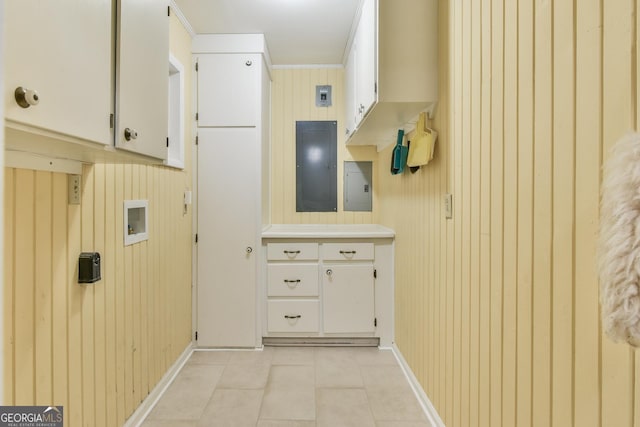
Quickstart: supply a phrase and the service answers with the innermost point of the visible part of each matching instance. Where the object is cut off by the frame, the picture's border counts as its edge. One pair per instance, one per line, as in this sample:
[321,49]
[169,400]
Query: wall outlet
[448,206]
[74,189]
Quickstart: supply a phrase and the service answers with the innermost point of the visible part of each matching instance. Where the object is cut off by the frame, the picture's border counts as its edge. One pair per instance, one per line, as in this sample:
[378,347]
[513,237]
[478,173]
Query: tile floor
[287,387]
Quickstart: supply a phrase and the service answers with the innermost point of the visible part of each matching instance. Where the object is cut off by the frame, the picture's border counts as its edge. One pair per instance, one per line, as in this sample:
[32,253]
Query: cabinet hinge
[111,121]
[375,323]
[196,237]
[196,139]
[196,335]
[196,67]
[167,142]
[375,87]
[196,117]
[168,10]
[375,274]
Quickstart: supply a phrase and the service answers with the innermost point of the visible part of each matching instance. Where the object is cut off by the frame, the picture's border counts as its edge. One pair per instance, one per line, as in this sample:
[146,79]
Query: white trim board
[182,18]
[429,410]
[137,418]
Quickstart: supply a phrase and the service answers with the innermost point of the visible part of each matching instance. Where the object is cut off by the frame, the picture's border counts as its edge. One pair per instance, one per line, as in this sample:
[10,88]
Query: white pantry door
[228,221]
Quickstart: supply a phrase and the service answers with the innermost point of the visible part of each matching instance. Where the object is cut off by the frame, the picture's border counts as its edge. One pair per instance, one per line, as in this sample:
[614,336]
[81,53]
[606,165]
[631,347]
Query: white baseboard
[138,417]
[427,406]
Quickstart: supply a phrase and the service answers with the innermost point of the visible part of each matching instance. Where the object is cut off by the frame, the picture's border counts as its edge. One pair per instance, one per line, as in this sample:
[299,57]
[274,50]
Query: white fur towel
[619,245]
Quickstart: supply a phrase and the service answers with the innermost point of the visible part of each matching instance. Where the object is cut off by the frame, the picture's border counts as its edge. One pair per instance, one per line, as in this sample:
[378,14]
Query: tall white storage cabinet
[233,117]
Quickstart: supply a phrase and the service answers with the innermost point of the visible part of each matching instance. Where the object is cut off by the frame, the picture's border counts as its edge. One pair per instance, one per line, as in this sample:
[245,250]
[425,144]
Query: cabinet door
[366,59]
[348,298]
[142,76]
[228,228]
[351,110]
[61,49]
[228,89]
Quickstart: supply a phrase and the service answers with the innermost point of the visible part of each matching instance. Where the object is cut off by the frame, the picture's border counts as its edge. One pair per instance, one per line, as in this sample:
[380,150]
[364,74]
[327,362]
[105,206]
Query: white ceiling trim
[182,18]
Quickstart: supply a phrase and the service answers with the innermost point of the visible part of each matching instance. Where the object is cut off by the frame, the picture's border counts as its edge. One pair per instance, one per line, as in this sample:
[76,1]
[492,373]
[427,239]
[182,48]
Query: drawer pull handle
[297,316]
[348,252]
[292,252]
[292,284]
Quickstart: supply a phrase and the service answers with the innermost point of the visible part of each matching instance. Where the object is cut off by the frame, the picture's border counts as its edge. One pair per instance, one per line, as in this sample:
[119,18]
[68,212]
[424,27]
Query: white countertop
[327,231]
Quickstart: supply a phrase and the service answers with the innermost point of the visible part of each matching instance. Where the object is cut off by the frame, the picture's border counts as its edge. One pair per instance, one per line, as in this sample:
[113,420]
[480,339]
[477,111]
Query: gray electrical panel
[323,96]
[316,166]
[357,186]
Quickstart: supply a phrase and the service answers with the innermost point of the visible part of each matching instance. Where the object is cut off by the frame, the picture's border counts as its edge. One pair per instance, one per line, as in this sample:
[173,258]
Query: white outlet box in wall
[136,221]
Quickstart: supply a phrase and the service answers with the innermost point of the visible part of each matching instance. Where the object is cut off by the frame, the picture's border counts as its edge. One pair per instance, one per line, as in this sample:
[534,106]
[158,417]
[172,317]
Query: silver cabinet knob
[329,272]
[130,134]
[248,63]
[249,249]
[26,97]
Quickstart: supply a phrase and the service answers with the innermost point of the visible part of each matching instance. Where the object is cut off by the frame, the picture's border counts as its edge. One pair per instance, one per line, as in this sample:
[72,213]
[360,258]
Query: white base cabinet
[334,282]
[348,298]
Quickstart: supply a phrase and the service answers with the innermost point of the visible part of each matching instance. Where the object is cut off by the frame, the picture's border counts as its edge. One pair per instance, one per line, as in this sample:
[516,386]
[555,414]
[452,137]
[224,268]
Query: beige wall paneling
[485,216]
[510,209]
[539,92]
[617,117]
[293,99]
[497,208]
[59,291]
[43,309]
[74,317]
[87,316]
[128,285]
[461,396]
[24,295]
[474,206]
[524,331]
[120,286]
[99,337]
[109,276]
[8,289]
[563,151]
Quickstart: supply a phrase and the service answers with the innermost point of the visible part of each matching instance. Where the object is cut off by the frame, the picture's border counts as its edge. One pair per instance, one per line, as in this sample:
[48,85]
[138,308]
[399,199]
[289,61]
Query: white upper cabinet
[365,39]
[351,103]
[229,89]
[61,50]
[396,68]
[66,56]
[142,70]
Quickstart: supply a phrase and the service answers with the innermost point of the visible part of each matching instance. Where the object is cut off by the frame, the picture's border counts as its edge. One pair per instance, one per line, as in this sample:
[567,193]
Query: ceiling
[298,32]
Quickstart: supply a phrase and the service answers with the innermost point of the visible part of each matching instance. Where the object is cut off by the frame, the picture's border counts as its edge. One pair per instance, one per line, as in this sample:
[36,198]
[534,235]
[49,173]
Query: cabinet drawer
[292,316]
[347,251]
[292,280]
[292,251]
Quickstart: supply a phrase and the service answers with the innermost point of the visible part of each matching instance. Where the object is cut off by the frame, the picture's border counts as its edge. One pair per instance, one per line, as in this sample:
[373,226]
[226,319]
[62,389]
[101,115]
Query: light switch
[73,182]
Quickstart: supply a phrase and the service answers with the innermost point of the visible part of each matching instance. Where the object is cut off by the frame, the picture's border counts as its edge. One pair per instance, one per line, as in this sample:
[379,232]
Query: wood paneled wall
[497,309]
[293,92]
[96,349]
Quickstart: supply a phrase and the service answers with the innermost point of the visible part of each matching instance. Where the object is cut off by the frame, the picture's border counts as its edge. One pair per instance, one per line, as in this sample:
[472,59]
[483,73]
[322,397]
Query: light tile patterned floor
[289,387]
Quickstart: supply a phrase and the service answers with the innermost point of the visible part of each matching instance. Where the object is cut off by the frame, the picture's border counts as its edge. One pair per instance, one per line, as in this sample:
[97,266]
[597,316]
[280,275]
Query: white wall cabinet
[233,92]
[228,89]
[64,50]
[395,57]
[61,49]
[328,282]
[365,57]
[142,66]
